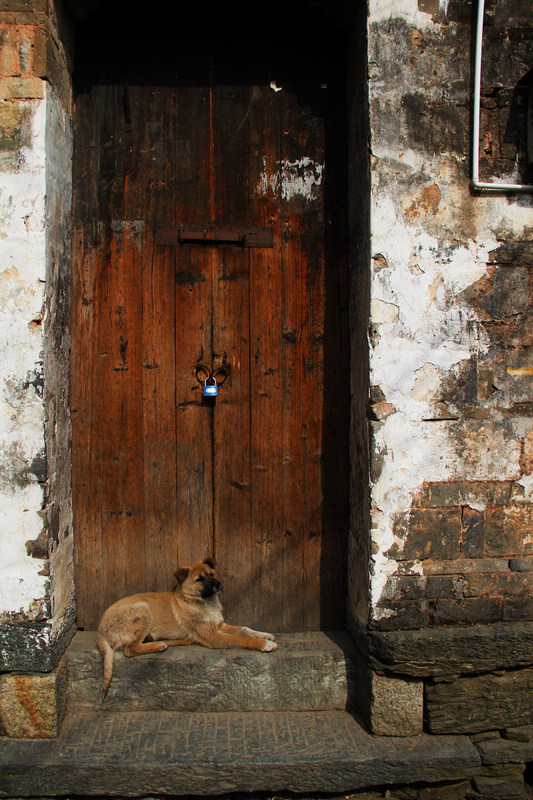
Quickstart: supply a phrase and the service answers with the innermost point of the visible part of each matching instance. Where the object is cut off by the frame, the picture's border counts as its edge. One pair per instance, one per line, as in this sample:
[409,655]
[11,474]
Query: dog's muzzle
[214,587]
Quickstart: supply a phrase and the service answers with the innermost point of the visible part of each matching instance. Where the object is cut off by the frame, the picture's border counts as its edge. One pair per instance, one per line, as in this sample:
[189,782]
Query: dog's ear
[181,574]
[210,562]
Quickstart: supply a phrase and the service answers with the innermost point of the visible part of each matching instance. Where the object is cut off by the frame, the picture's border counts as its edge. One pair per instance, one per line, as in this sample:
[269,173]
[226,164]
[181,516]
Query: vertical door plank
[268,536]
[302,336]
[86,486]
[86,498]
[120,413]
[231,193]
[159,343]
[119,354]
[193,294]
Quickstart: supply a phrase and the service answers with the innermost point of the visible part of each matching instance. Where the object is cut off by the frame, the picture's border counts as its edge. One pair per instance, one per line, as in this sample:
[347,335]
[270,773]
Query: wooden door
[162,476]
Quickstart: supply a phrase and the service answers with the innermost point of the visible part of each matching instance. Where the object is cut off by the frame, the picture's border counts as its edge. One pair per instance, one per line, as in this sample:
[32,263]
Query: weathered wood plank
[157,284]
[302,338]
[230,201]
[193,327]
[120,414]
[85,442]
[268,537]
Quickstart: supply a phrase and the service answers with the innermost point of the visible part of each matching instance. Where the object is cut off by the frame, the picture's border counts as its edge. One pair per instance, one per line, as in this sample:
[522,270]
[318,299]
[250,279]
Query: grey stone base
[34,646]
[448,651]
[136,753]
[309,671]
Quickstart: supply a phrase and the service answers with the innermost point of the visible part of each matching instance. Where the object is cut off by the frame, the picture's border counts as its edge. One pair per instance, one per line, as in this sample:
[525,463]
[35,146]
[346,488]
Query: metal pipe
[475,182]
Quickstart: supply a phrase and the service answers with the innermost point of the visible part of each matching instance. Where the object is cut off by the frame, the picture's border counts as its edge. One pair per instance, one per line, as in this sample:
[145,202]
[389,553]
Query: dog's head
[199,580]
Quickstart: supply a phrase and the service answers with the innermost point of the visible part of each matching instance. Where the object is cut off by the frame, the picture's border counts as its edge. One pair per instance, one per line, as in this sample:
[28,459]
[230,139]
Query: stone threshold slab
[141,753]
[308,672]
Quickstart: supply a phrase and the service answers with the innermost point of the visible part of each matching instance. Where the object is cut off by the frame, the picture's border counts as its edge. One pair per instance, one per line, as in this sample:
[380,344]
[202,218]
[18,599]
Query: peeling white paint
[426,383]
[22,282]
[300,178]
[424,332]
[527,482]
[380,311]
[379,10]
[419,452]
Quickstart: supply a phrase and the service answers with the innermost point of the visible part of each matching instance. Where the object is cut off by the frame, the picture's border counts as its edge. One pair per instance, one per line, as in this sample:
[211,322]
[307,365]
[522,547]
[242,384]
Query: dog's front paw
[269,645]
[257,634]
[161,647]
[263,635]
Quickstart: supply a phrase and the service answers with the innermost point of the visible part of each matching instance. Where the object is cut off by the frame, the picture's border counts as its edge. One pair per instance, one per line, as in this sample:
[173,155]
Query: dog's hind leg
[138,647]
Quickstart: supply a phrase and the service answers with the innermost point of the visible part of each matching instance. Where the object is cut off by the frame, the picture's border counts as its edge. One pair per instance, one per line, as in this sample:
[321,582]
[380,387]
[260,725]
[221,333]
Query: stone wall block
[396,706]
[504,751]
[32,706]
[502,782]
[523,733]
[480,703]
[518,609]
[442,651]
[451,790]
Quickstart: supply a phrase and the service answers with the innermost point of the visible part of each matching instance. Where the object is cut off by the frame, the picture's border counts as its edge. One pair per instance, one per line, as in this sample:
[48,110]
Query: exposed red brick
[468,611]
[428,533]
[462,493]
[509,530]
[510,584]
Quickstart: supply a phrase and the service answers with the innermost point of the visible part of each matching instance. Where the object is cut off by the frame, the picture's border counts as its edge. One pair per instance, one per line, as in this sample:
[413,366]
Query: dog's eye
[200,578]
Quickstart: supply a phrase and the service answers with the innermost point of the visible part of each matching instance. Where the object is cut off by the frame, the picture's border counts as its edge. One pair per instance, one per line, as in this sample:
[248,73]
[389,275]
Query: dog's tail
[108,658]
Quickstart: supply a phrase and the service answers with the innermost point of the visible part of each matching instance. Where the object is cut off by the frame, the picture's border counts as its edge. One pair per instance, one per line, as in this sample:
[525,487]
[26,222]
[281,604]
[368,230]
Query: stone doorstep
[308,672]
[133,754]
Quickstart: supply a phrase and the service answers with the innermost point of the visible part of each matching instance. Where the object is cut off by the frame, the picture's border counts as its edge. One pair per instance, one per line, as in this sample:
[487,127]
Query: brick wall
[451,322]
[450,414]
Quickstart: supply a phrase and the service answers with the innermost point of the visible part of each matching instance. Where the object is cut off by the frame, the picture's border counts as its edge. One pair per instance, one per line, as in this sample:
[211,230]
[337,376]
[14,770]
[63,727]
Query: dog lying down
[189,614]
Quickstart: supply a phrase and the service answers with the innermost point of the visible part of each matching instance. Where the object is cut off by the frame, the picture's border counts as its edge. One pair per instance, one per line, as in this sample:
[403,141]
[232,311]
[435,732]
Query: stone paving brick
[143,753]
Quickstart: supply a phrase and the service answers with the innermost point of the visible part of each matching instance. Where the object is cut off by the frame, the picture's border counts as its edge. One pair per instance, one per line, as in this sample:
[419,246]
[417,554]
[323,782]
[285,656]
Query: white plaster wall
[428,246]
[22,282]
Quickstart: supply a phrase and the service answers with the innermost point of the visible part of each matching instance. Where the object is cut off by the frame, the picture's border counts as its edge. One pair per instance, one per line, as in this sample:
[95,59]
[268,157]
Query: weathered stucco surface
[22,282]
[450,348]
[36,581]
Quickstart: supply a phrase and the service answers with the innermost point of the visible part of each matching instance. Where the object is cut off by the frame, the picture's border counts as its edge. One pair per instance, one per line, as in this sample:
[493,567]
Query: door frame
[356,305]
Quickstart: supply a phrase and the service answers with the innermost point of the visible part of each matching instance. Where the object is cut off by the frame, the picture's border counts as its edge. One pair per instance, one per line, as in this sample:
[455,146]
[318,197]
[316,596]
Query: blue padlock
[211,389]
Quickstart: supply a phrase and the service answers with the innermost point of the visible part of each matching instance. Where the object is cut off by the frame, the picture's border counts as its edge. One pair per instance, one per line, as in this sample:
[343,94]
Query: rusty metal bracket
[209,235]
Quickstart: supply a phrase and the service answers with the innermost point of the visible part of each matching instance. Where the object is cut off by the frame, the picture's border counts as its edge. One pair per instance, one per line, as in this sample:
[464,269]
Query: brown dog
[190,614]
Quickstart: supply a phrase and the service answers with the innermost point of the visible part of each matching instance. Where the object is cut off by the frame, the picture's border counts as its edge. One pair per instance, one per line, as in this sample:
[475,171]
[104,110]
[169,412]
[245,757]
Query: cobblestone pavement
[142,753]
